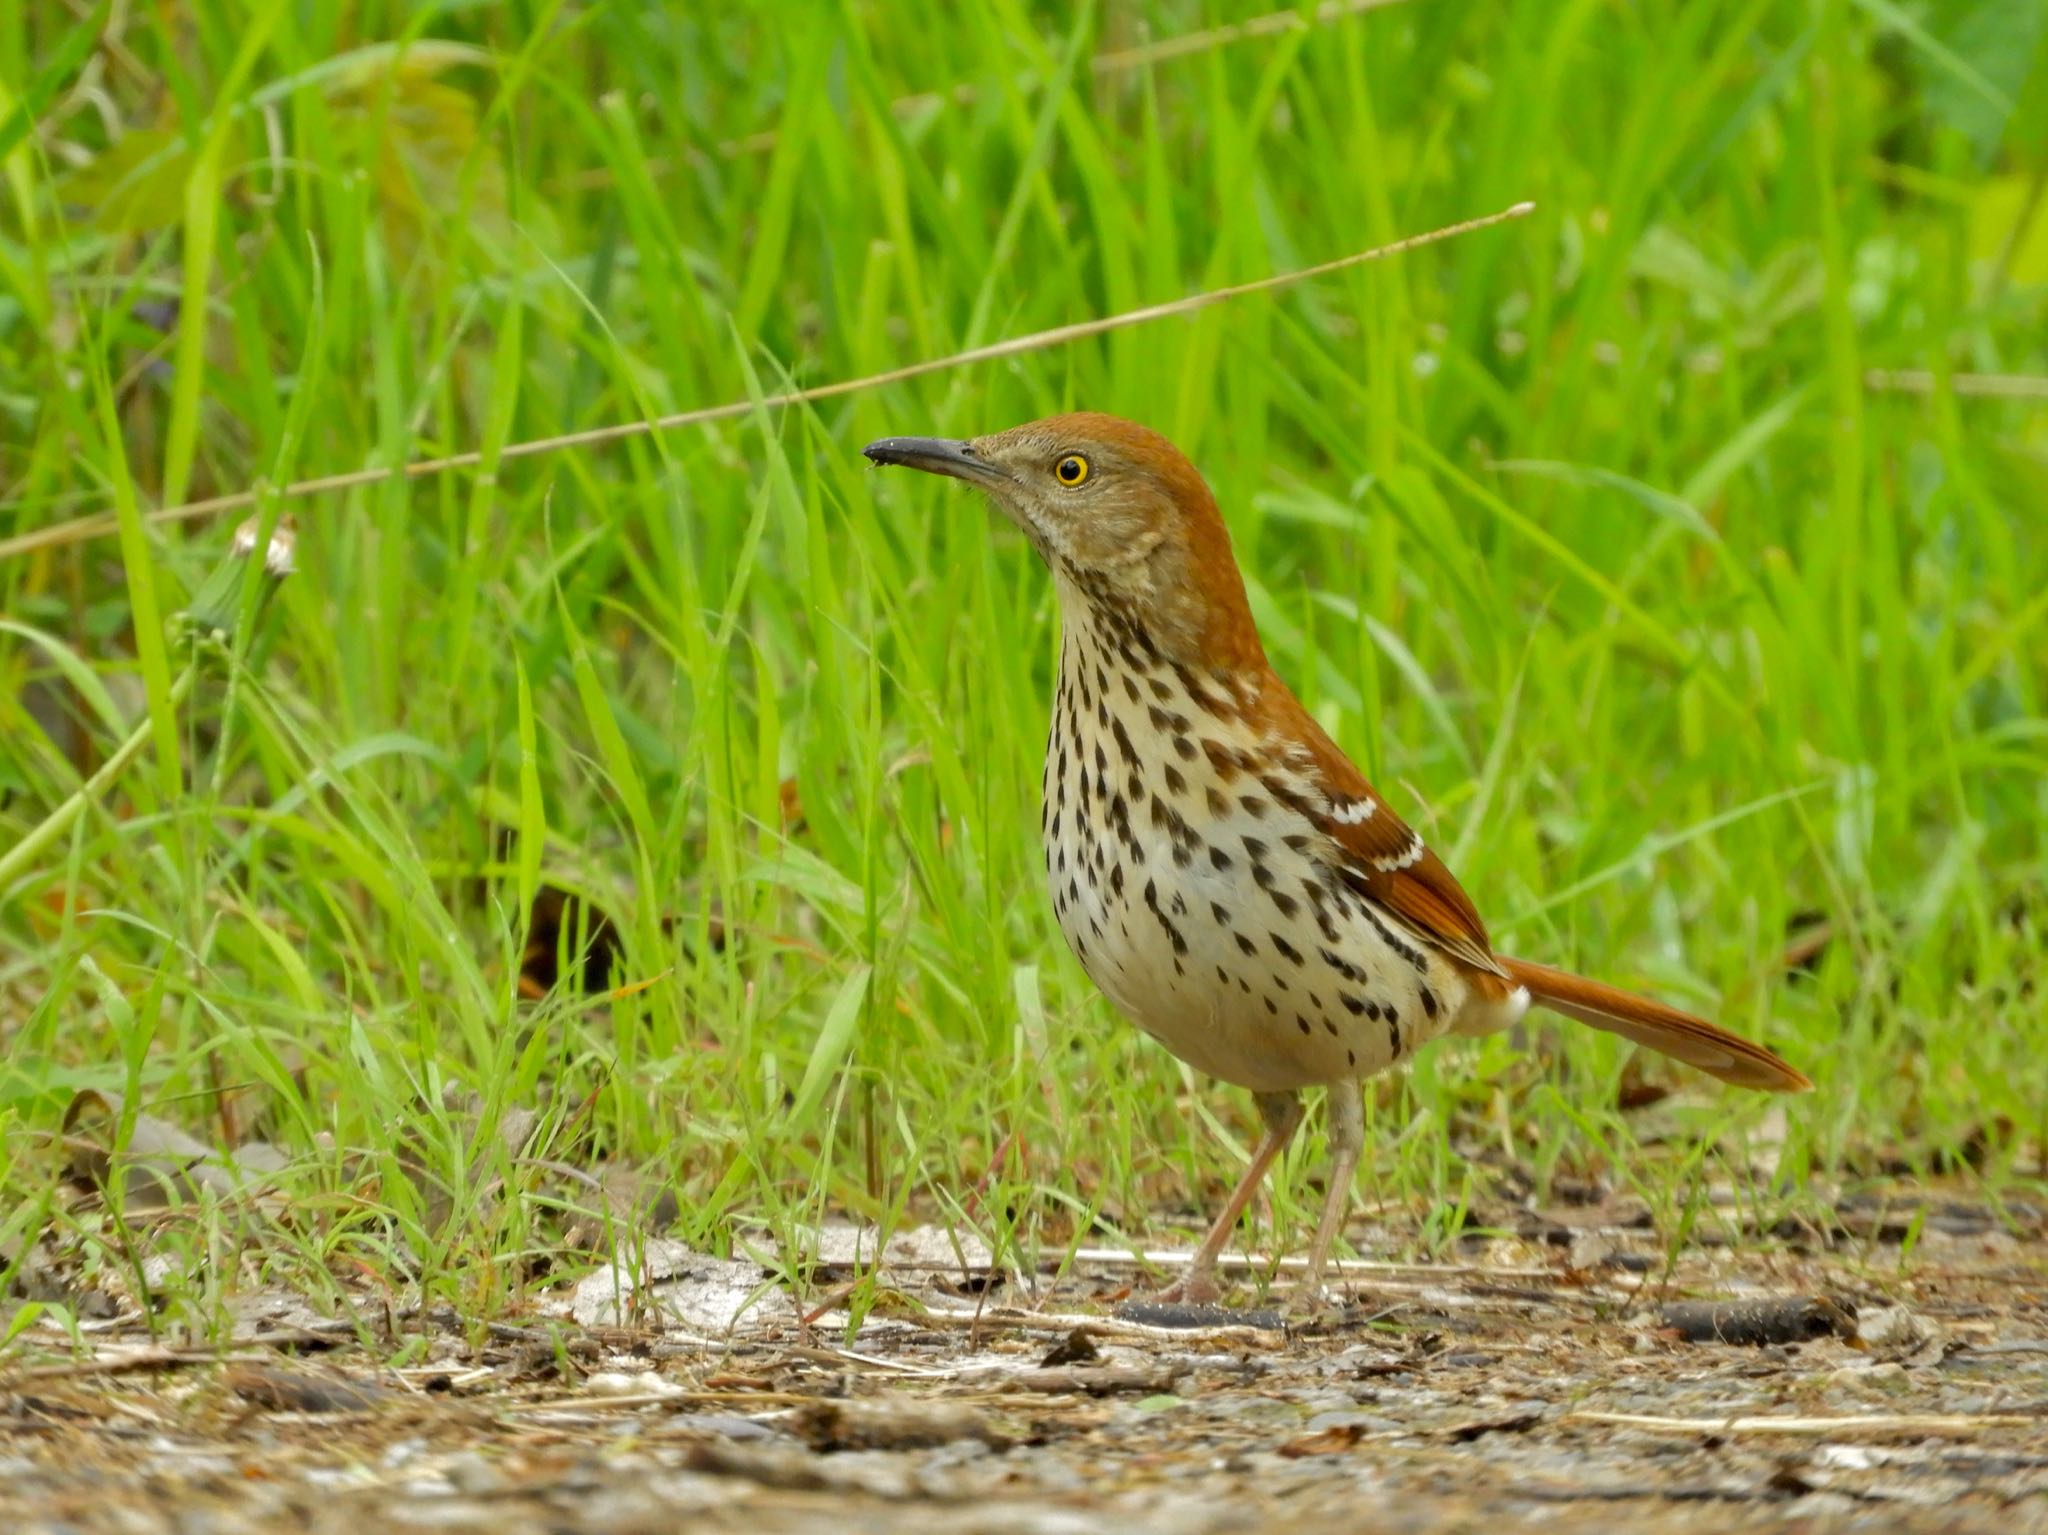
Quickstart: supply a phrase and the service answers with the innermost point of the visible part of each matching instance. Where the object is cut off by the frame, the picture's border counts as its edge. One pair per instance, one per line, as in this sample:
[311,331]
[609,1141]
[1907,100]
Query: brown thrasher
[1221,869]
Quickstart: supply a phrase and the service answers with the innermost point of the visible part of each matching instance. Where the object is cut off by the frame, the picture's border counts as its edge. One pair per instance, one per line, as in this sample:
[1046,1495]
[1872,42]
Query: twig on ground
[1000,1319]
[129,1362]
[1123,1257]
[1876,1423]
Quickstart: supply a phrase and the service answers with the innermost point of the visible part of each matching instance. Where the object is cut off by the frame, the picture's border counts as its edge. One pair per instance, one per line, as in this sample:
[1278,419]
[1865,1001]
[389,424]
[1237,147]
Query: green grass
[1586,535]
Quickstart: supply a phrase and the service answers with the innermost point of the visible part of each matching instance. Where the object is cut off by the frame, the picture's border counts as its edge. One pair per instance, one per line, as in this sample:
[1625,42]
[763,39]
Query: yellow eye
[1071,470]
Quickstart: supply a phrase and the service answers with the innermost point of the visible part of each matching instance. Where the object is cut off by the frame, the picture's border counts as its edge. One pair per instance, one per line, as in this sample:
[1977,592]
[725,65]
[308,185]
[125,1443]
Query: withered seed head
[1122,518]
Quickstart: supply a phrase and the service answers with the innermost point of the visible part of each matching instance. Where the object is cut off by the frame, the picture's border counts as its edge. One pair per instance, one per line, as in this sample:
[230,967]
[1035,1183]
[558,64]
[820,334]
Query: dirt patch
[1546,1376]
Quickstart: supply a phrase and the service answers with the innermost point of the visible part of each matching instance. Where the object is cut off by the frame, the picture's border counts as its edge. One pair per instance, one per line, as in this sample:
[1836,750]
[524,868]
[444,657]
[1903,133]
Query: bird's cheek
[1055,528]
[1112,537]
[1086,539]
[1044,533]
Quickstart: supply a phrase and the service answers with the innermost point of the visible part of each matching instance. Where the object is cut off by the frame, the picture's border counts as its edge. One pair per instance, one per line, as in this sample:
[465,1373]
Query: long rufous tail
[1660,1027]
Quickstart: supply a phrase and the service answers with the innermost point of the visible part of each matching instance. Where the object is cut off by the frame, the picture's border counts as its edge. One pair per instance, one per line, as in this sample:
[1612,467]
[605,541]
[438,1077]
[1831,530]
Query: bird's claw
[1313,1301]
[1194,1288]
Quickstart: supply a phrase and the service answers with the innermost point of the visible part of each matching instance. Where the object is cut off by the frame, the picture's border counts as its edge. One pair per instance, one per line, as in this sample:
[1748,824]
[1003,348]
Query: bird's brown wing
[1385,859]
[1391,864]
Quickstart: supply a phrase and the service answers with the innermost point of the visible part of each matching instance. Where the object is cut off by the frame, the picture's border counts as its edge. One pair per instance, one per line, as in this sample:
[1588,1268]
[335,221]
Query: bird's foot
[1313,1301]
[1196,1287]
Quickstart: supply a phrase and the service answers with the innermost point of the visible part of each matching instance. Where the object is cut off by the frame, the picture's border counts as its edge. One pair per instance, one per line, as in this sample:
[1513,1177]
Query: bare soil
[1891,1373]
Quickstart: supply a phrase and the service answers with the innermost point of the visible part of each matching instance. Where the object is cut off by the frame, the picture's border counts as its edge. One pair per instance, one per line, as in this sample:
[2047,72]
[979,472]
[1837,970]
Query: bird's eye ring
[1071,470]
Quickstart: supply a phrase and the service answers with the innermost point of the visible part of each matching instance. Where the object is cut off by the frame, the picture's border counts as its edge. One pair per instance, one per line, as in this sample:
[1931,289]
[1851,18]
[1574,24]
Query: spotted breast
[1185,873]
[1223,870]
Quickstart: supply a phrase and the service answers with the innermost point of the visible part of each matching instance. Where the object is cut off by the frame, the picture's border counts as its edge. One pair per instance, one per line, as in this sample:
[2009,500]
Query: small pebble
[621,1383]
[472,1474]
[728,1426]
[1590,1250]
[1887,1327]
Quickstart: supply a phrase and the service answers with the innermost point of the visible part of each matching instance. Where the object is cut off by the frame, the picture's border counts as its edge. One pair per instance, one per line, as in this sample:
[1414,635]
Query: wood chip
[902,1424]
[1107,1381]
[300,1391]
[1338,1439]
[1077,1347]
[1755,1323]
[999,1318]
[1173,1317]
[1878,1423]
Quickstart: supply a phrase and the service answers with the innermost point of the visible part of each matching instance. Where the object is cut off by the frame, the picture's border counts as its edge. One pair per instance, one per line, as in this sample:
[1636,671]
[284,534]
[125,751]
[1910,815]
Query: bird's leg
[1346,1133]
[1197,1287]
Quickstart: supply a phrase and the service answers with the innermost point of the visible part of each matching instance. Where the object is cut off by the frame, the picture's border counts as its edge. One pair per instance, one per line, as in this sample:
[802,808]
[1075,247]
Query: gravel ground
[1556,1376]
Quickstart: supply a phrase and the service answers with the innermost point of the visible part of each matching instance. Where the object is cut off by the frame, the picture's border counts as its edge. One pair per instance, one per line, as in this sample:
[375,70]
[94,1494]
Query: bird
[1223,872]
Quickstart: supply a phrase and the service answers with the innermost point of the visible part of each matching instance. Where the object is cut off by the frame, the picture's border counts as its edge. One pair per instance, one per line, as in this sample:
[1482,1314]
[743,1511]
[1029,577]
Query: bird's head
[1121,517]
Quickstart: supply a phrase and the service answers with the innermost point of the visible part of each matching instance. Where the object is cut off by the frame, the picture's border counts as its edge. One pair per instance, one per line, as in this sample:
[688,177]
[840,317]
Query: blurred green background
[1673,557]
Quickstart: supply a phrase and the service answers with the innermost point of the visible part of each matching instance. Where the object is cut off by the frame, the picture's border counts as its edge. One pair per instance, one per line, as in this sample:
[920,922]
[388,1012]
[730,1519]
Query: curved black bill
[935,455]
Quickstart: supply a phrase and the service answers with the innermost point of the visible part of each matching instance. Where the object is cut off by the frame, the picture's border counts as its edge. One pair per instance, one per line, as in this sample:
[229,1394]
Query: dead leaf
[1507,1423]
[663,1279]
[304,1391]
[1897,1333]
[1334,1440]
[160,1164]
[629,1208]
[1077,1347]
